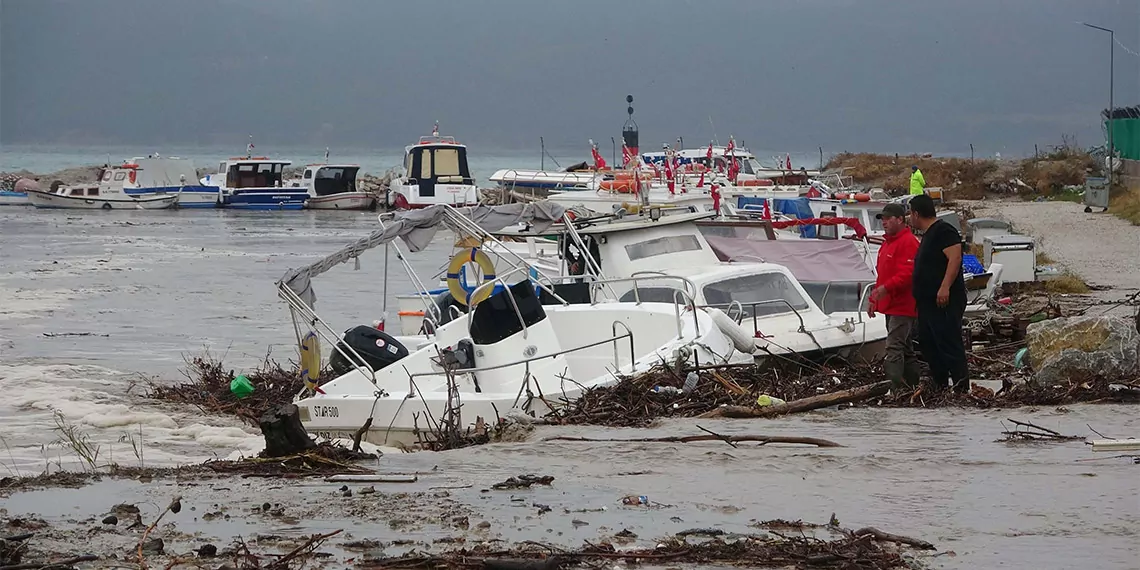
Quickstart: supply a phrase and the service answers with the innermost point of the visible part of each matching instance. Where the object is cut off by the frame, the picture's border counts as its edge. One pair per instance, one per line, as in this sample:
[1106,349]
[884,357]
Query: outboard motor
[378,349]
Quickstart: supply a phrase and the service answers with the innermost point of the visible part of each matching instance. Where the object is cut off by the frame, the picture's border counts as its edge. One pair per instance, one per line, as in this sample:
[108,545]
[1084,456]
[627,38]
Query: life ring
[459,289]
[620,186]
[842,195]
[132,176]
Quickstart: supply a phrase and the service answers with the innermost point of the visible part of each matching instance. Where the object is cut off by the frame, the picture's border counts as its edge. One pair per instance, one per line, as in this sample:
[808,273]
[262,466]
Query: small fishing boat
[333,187]
[109,193]
[435,171]
[18,194]
[162,175]
[519,348]
[255,183]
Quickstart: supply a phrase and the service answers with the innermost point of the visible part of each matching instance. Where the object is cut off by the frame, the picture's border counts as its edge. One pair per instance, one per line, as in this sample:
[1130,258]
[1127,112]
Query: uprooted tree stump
[803,404]
[283,432]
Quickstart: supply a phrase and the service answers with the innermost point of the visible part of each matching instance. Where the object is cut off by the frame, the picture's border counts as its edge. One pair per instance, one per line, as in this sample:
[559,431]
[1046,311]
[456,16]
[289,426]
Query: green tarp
[1125,137]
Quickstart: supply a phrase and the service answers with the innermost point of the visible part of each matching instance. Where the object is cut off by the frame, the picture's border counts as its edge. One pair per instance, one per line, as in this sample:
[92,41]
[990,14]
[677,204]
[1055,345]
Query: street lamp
[1111,78]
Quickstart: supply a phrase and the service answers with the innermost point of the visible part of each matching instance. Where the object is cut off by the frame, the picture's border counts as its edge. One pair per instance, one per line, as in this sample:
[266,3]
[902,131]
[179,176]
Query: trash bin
[1096,194]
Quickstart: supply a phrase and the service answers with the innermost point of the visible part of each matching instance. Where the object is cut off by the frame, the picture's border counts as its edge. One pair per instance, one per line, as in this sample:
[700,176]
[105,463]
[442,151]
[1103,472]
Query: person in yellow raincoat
[917,181]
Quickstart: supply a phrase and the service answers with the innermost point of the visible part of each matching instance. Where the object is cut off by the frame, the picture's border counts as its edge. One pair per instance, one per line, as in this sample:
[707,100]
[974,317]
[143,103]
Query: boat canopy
[418,227]
[808,260]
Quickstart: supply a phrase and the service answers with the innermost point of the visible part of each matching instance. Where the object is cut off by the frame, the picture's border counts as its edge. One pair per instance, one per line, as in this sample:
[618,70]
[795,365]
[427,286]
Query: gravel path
[1099,247]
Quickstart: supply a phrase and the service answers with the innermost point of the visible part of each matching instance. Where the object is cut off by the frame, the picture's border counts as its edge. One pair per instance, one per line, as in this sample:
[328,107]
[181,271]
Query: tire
[106,206]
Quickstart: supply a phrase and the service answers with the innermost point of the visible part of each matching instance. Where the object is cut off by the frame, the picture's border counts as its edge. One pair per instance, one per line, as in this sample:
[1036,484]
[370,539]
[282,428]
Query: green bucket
[241,386]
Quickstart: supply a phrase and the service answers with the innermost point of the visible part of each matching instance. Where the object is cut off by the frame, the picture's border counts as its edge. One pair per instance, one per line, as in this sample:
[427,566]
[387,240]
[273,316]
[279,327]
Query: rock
[368,490]
[111,520]
[346,493]
[1071,349]
[207,551]
[153,546]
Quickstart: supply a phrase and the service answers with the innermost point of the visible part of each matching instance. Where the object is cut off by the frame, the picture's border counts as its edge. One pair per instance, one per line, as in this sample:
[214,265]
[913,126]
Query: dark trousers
[940,336]
[901,364]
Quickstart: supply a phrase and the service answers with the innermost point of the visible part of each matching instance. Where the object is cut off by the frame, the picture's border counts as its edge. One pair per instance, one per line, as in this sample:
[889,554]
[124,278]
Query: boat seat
[450,179]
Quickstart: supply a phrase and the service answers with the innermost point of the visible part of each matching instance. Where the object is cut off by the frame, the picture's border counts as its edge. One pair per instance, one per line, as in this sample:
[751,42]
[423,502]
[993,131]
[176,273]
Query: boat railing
[628,334]
[862,295]
[686,299]
[566,180]
[752,306]
[298,306]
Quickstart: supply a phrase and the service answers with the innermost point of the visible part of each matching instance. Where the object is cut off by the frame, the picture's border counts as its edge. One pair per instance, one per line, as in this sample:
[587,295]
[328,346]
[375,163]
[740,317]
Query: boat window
[120,176]
[746,166]
[76,191]
[446,162]
[651,295]
[774,290]
[662,246]
[308,174]
[92,191]
[425,165]
[106,176]
[873,224]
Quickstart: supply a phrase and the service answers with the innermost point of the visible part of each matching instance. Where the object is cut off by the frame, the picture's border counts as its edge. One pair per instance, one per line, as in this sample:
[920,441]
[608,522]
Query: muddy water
[160,285]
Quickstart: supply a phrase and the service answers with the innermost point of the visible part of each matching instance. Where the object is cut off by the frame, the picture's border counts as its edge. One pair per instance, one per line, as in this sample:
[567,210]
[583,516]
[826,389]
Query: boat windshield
[774,292]
[255,175]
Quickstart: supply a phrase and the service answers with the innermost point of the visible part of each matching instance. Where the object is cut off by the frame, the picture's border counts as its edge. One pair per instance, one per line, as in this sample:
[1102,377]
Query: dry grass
[1044,259]
[1126,205]
[962,178]
[1067,283]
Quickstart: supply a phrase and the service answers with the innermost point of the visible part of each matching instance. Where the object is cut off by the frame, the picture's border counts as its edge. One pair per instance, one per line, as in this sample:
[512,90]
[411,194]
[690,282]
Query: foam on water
[96,402]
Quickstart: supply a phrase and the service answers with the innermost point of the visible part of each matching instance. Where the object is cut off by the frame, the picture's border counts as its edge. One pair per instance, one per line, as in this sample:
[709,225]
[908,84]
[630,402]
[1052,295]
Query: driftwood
[1033,432]
[284,434]
[888,537]
[762,439]
[803,404]
[57,564]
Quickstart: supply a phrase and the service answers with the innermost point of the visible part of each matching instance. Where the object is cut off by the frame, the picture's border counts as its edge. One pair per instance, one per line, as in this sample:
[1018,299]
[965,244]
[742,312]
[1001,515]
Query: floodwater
[152,287]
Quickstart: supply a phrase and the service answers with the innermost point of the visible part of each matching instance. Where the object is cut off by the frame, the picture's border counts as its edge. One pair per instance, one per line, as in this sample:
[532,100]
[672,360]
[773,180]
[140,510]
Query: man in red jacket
[892,296]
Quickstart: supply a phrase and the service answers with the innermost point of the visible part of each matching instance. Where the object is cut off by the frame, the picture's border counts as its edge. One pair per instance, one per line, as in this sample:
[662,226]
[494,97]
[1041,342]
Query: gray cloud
[920,75]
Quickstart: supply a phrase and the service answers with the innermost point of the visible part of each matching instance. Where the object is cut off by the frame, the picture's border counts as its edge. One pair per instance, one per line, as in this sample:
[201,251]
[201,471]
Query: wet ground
[151,287]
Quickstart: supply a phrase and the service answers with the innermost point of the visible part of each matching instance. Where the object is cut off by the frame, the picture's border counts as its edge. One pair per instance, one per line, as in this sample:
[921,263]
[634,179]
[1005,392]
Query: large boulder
[1084,348]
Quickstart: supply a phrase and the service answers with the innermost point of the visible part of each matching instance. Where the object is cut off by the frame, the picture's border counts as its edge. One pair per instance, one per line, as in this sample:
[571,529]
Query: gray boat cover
[418,227]
[810,260]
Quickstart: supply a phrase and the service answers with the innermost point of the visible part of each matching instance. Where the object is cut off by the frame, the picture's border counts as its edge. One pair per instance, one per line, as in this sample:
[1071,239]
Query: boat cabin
[330,179]
[257,172]
[436,160]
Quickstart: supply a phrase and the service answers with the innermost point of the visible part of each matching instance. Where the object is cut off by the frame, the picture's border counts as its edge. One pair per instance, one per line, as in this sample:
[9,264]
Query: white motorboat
[333,187]
[435,171]
[521,348]
[660,257]
[109,193]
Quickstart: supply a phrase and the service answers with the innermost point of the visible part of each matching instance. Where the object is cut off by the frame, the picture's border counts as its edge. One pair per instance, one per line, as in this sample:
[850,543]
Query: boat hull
[266,199]
[48,200]
[342,201]
[187,196]
[12,198]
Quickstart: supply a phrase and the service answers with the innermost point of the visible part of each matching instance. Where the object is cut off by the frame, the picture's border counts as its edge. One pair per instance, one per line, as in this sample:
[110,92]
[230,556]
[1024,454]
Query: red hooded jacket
[896,271]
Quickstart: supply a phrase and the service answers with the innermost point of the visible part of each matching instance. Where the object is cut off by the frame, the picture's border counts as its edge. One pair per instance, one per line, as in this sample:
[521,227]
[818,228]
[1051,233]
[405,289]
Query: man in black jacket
[940,296]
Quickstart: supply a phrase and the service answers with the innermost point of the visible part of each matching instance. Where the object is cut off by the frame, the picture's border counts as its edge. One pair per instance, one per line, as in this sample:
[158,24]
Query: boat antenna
[716,139]
[249,148]
[326,155]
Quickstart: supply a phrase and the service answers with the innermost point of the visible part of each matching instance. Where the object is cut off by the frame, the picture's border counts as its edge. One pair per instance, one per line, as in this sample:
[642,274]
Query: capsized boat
[520,348]
[333,187]
[435,171]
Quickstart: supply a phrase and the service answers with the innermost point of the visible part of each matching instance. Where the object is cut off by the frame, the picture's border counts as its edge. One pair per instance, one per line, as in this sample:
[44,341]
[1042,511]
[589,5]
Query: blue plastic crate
[970,264]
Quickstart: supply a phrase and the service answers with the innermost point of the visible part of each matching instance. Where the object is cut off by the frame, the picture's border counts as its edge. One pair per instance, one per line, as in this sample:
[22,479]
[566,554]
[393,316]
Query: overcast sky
[883,75]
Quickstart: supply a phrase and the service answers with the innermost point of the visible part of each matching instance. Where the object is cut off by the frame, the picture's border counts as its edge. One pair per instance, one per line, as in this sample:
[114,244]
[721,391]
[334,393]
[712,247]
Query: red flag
[626,156]
[715,193]
[767,210]
[708,154]
[599,162]
[789,161]
[731,146]
[669,173]
[701,182]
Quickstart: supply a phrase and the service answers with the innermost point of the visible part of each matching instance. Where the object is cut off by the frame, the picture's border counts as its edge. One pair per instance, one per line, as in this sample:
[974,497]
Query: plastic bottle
[669,390]
[241,386]
[690,382]
[765,400]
